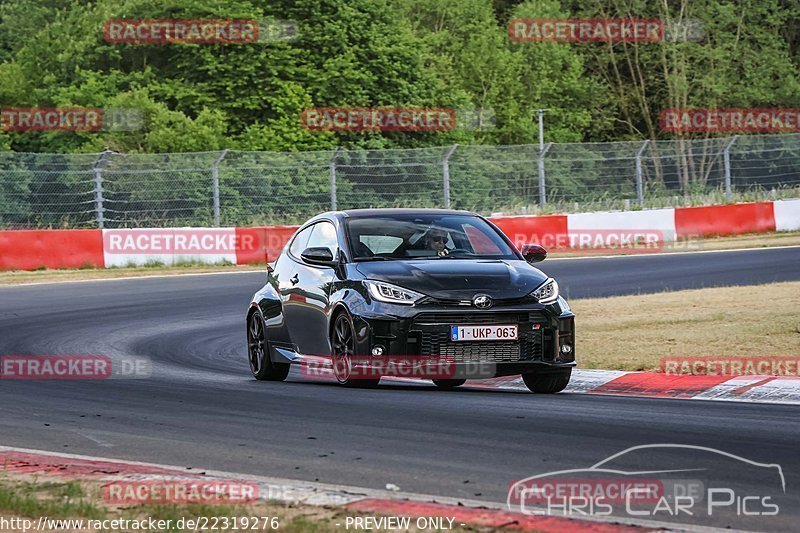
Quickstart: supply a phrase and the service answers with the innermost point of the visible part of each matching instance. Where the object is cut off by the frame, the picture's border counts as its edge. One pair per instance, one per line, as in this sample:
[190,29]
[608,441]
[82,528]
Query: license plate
[496,332]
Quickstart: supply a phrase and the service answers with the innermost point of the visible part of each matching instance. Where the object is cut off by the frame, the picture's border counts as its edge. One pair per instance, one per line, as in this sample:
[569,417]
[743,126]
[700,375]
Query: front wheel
[343,348]
[449,383]
[261,365]
[547,382]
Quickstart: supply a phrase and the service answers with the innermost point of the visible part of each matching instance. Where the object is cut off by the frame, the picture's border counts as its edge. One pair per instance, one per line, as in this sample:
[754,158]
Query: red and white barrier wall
[665,225]
[170,246]
[34,249]
[787,215]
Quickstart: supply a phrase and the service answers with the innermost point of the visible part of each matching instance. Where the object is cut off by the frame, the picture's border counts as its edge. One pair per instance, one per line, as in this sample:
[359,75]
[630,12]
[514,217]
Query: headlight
[386,292]
[547,292]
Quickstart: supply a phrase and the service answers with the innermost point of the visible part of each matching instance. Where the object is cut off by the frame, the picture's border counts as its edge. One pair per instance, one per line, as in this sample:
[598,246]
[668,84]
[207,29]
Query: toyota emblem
[482,301]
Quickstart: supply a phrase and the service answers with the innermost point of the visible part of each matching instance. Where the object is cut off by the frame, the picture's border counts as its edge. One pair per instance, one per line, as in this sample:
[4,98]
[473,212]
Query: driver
[435,240]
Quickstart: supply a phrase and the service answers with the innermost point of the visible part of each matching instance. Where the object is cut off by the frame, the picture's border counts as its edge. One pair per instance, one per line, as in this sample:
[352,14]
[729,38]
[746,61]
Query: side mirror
[318,256]
[534,253]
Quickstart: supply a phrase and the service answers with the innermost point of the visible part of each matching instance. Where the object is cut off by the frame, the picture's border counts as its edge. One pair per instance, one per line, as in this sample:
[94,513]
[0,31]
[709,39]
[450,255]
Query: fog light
[566,348]
[377,350]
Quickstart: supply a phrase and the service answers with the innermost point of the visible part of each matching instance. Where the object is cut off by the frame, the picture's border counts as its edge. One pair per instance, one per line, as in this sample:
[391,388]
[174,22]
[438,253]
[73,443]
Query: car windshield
[415,236]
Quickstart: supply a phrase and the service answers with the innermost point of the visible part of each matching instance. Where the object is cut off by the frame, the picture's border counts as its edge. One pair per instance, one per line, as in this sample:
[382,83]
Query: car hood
[458,279]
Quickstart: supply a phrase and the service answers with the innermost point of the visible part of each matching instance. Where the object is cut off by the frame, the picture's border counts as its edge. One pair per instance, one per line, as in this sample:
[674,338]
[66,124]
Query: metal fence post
[332,171]
[215,180]
[446,175]
[639,181]
[726,158]
[542,190]
[99,210]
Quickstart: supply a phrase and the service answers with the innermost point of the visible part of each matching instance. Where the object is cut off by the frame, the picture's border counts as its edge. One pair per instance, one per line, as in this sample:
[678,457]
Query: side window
[480,242]
[324,236]
[300,241]
[380,244]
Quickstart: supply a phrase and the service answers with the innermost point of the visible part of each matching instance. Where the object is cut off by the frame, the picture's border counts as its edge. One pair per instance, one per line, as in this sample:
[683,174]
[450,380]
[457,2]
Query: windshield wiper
[373,258]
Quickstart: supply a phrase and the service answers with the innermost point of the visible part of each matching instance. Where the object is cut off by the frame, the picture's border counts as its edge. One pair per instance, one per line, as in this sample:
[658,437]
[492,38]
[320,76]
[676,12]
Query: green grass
[154,263]
[635,332]
[57,500]
[304,524]
[23,497]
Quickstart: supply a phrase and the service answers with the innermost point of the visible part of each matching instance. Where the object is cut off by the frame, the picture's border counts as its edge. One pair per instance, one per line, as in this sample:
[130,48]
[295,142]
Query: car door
[308,290]
[285,279]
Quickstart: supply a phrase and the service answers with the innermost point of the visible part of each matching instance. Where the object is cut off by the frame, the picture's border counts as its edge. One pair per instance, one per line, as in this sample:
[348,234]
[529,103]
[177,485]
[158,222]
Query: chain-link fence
[247,188]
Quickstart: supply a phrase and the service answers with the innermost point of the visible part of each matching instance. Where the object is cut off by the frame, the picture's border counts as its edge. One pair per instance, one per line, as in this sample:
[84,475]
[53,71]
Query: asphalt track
[200,408]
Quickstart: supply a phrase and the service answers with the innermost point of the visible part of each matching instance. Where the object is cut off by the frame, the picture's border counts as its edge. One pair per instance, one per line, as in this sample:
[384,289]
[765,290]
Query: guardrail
[35,249]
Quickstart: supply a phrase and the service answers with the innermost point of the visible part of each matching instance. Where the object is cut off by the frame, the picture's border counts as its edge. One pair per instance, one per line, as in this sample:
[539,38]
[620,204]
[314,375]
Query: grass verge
[635,332]
[31,497]
[16,277]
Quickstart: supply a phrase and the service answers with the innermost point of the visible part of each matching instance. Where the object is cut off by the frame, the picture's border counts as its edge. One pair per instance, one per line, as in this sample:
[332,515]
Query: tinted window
[412,236]
[300,241]
[324,236]
[380,244]
[479,241]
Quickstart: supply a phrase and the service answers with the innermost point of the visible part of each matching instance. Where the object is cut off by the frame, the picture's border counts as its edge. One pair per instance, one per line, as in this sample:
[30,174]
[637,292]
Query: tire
[343,348]
[547,382]
[449,383]
[258,351]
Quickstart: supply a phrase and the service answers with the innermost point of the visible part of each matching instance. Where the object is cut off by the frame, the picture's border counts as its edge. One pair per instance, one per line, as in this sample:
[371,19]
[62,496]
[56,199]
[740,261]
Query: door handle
[295,279]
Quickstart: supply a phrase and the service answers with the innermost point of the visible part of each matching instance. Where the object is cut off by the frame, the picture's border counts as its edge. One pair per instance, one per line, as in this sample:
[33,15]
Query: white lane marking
[589,380]
[784,391]
[99,442]
[128,278]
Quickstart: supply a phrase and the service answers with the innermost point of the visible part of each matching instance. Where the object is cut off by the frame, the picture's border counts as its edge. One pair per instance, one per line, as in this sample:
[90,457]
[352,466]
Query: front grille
[475,318]
[430,335]
[467,352]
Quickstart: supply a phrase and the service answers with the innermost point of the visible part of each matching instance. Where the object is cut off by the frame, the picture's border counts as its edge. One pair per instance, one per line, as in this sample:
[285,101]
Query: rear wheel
[449,383]
[258,352]
[548,382]
[343,348]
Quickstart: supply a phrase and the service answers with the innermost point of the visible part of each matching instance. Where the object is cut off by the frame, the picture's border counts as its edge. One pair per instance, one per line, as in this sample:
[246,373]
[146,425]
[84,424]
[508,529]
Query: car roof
[358,213]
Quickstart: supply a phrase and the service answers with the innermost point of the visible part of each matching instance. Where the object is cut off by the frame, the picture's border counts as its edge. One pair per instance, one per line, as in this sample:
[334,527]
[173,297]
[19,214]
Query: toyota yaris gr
[378,292]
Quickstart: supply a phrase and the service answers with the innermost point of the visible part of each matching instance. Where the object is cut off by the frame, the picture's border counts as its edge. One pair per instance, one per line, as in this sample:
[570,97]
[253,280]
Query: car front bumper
[423,332]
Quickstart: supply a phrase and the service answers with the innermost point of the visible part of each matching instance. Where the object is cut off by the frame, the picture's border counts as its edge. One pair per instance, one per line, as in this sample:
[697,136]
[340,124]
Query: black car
[387,288]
